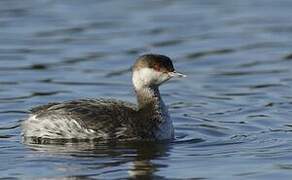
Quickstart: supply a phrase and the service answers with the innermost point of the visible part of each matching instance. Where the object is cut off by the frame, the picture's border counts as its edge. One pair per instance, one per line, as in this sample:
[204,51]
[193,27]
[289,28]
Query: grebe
[107,119]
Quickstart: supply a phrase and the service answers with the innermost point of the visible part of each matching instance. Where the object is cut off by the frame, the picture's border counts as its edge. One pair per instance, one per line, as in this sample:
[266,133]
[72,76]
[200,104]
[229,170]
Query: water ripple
[209,53]
[233,111]
[34,94]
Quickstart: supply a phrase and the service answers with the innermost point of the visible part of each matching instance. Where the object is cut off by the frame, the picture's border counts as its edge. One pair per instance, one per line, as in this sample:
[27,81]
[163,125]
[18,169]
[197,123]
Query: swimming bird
[110,119]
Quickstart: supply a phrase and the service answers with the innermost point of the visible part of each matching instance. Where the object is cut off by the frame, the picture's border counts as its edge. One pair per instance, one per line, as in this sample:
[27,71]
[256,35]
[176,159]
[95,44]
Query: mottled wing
[108,116]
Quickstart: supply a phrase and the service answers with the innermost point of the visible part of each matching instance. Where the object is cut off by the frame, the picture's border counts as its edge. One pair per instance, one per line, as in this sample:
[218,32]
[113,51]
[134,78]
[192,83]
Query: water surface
[232,115]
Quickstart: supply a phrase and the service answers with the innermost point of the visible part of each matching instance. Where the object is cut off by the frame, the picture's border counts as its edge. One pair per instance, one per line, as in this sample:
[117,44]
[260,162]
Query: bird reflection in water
[135,158]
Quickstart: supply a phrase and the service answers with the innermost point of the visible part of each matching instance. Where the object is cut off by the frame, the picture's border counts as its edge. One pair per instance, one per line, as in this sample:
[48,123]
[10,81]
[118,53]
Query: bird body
[109,119]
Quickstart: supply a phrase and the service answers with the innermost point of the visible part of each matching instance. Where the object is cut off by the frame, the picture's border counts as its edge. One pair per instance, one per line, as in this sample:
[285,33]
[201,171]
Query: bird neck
[152,117]
[149,97]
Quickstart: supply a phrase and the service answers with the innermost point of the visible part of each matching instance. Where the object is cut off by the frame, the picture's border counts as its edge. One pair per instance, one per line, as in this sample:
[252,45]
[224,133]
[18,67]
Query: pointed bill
[177,74]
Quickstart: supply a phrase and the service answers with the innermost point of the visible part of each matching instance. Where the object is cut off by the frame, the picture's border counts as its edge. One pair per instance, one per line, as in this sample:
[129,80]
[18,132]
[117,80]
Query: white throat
[147,77]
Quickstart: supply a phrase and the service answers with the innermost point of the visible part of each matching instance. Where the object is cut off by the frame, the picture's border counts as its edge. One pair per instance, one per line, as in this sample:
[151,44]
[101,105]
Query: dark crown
[155,61]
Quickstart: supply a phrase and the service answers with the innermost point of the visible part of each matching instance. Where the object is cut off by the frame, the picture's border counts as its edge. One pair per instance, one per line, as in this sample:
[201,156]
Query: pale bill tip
[177,74]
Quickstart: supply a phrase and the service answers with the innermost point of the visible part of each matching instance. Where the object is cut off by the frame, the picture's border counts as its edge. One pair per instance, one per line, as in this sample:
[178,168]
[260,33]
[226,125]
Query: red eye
[157,67]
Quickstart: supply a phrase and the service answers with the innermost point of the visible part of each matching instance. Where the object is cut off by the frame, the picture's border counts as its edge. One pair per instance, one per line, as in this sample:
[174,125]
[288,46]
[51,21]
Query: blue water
[232,115]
